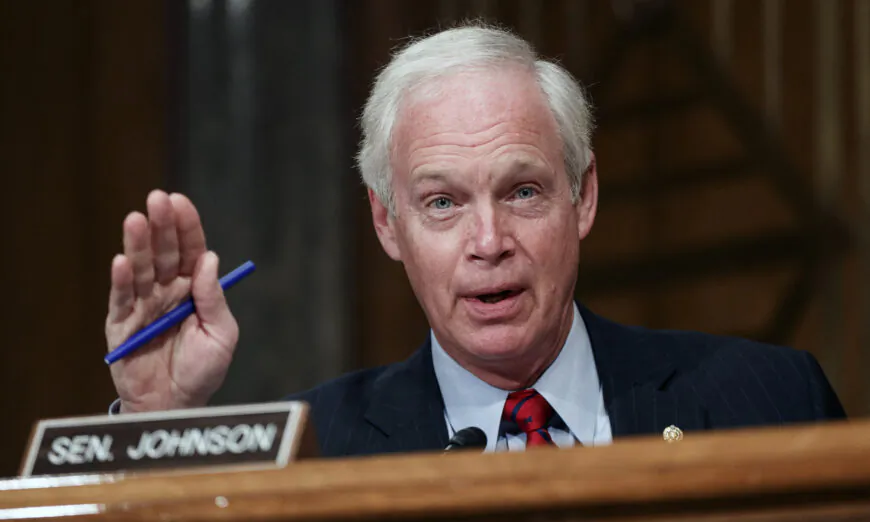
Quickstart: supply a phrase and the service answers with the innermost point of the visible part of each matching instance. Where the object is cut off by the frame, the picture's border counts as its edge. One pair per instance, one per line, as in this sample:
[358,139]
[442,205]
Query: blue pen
[172,317]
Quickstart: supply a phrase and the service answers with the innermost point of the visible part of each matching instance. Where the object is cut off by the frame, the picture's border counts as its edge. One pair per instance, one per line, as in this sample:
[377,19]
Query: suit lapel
[647,409]
[407,406]
[635,372]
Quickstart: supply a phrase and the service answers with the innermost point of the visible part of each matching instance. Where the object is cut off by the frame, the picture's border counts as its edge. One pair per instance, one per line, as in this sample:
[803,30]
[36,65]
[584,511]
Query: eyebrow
[524,164]
[521,168]
[429,175]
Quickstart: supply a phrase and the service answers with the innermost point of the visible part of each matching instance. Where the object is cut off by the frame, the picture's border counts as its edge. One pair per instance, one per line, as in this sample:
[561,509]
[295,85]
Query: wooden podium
[819,472]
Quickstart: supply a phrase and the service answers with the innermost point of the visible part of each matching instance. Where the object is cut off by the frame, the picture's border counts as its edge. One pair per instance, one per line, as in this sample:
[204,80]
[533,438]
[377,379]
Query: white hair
[469,47]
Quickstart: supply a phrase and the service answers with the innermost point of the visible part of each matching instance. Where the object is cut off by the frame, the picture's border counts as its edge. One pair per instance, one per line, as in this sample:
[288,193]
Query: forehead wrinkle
[489,134]
[451,148]
[523,156]
[483,107]
[525,153]
[471,114]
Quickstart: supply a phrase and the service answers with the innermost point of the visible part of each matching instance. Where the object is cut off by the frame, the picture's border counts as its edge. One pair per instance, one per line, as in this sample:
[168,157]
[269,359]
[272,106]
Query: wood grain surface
[819,472]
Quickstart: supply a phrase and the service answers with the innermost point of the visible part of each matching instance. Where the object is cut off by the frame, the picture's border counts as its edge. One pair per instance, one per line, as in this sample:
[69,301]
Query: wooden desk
[819,472]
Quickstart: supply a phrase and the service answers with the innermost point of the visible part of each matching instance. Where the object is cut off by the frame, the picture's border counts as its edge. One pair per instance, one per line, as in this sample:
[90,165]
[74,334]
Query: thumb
[208,297]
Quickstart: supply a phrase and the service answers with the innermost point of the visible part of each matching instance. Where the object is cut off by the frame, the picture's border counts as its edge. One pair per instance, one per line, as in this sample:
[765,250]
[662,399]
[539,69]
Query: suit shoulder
[354,387]
[685,347]
[720,357]
[701,348]
[338,408]
[746,382]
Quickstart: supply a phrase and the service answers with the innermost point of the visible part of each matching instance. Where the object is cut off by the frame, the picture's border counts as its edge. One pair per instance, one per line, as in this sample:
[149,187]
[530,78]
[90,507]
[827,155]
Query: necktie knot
[531,413]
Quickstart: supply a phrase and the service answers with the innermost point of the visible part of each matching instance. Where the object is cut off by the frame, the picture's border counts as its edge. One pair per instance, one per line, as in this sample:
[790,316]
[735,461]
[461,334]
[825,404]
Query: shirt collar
[570,385]
[468,401]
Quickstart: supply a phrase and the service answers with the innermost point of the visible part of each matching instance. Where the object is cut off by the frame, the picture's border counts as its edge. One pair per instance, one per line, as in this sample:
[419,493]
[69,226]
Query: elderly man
[482,182]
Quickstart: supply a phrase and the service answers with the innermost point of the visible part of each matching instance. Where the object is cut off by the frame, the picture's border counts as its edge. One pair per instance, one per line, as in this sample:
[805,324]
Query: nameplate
[258,436]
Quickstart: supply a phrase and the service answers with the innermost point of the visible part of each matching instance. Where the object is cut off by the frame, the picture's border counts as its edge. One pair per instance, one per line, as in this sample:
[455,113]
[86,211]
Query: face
[485,224]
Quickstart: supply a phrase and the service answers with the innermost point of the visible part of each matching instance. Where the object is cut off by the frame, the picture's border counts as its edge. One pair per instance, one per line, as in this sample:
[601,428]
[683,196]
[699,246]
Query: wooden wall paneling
[860,364]
[82,112]
[390,324]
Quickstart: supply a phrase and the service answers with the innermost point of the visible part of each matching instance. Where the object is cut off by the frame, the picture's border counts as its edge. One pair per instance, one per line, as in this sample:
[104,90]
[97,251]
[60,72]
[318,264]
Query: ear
[587,204]
[384,227]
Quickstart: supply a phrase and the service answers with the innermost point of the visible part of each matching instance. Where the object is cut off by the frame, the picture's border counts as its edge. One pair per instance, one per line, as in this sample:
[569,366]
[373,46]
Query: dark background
[732,147]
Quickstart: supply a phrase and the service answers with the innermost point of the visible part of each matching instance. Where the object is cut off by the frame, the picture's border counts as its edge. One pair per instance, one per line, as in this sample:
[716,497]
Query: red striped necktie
[531,412]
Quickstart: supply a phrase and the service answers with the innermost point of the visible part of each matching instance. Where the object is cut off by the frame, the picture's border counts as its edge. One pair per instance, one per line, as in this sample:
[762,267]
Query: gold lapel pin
[672,434]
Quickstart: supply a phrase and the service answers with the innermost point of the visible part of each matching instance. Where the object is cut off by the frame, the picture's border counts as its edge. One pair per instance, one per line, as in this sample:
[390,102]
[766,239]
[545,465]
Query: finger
[210,302]
[191,237]
[137,249]
[122,297]
[164,239]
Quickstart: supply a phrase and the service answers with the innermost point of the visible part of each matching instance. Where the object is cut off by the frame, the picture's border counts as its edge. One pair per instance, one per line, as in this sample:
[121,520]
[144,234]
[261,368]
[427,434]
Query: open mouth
[494,298]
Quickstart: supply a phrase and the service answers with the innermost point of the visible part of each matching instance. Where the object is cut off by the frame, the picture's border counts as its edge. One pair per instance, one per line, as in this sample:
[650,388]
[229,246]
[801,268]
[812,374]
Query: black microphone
[467,438]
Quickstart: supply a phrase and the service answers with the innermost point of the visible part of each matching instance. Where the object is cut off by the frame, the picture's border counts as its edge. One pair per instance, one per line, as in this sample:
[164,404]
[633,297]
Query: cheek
[554,249]
[430,258]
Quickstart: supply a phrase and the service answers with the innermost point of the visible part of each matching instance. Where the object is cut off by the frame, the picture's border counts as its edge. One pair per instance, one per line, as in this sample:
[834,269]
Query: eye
[525,192]
[441,203]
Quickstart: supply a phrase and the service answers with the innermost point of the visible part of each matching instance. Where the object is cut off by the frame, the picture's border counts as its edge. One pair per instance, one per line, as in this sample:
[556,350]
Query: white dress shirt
[570,385]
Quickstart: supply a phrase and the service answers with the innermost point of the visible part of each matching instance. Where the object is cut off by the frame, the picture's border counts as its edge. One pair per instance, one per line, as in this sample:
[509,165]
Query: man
[482,182]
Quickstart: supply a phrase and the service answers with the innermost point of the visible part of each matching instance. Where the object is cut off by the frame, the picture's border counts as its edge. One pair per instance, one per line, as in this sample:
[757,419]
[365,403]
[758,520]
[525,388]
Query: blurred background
[733,146]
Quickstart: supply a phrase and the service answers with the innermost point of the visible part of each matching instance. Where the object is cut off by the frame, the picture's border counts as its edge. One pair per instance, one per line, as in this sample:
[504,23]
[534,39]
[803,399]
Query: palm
[184,366]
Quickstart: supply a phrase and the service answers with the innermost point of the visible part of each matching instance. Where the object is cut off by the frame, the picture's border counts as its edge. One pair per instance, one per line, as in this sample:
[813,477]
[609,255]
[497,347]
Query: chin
[497,342]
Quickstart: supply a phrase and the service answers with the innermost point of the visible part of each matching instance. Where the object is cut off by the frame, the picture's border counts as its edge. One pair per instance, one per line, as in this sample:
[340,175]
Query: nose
[491,240]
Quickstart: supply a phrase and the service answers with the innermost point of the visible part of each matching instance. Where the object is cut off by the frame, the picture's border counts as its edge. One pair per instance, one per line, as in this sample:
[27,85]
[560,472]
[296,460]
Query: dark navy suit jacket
[650,379]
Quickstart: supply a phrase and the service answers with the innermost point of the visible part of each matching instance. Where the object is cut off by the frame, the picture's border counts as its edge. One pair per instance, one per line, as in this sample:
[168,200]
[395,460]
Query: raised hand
[165,260]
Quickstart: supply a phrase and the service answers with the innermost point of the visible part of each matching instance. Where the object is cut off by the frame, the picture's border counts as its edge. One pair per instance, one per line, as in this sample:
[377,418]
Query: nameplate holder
[252,436]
